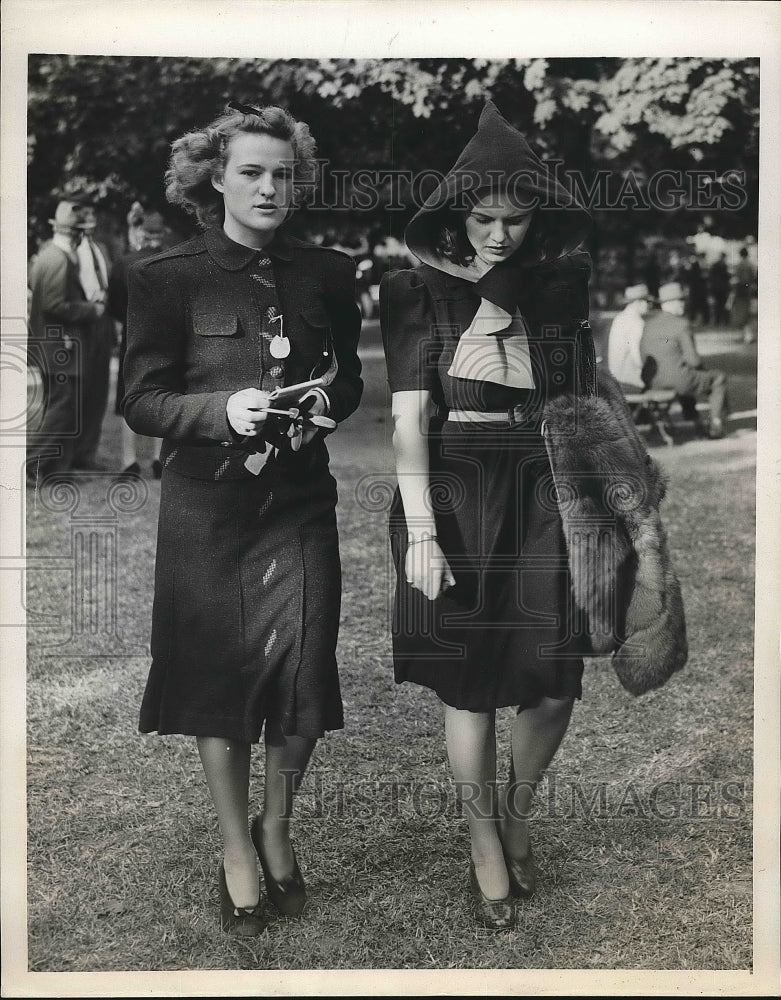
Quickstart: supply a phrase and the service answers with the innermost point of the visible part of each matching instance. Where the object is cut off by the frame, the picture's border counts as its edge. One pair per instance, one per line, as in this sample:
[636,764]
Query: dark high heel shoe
[523,874]
[245,921]
[496,914]
[288,894]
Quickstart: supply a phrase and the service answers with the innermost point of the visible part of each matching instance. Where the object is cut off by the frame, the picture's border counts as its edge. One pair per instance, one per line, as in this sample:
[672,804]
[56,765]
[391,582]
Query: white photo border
[381,29]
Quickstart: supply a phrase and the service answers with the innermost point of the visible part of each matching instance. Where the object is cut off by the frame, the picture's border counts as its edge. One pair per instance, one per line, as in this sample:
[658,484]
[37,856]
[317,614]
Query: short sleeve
[409,334]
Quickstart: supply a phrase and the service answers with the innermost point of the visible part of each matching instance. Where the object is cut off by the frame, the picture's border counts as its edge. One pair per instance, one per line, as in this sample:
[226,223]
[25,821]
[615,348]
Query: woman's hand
[427,568]
[246,411]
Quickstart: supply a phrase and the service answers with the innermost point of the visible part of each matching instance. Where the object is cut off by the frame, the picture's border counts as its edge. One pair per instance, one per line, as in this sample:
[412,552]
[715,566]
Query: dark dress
[507,633]
[247,575]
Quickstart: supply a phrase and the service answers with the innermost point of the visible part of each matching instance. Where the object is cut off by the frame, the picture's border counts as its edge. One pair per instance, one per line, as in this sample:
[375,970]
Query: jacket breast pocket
[316,319]
[216,324]
[217,352]
[315,346]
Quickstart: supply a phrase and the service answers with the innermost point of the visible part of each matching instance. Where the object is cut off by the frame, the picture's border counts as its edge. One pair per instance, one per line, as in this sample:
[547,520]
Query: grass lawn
[643,832]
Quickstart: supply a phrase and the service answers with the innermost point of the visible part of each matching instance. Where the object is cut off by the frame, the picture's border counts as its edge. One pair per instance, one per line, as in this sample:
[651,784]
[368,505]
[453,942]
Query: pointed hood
[498,156]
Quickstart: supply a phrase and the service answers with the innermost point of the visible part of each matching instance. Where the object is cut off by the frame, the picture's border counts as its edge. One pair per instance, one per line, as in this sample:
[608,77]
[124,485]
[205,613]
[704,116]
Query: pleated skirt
[246,607]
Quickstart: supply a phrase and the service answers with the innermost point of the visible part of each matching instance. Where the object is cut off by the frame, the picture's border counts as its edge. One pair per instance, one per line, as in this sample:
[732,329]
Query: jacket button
[277,371]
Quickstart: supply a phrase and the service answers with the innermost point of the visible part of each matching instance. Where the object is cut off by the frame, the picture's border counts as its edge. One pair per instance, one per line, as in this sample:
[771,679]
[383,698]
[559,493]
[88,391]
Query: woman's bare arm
[426,566]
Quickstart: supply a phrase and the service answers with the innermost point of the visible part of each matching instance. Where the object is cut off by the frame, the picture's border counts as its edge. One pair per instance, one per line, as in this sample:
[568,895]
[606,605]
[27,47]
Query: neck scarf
[495,346]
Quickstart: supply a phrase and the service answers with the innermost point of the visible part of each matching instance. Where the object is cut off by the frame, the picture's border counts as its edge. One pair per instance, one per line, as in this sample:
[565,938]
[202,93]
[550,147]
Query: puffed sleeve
[155,402]
[409,334]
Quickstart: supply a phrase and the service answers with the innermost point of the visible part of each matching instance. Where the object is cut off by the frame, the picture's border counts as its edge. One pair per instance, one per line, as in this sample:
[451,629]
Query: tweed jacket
[193,335]
[59,312]
[58,307]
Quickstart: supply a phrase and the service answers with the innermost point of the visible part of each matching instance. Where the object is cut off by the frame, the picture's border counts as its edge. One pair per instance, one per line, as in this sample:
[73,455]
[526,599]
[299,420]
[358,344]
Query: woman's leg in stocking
[471,747]
[536,736]
[286,761]
[226,764]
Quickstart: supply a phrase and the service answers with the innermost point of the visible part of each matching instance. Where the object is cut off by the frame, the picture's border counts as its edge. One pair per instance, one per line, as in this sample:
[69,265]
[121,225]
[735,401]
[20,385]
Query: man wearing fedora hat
[60,321]
[671,361]
[623,345]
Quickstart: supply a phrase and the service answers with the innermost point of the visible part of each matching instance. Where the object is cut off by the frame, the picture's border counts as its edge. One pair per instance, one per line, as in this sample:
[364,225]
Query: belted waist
[222,462]
[217,461]
[513,416]
[480,416]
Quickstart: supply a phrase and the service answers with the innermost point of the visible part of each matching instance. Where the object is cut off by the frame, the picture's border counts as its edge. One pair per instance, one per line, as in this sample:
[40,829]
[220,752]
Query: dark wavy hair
[542,242]
[197,157]
[452,242]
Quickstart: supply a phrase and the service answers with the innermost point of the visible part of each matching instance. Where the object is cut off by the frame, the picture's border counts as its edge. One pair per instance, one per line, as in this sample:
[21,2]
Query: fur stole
[609,490]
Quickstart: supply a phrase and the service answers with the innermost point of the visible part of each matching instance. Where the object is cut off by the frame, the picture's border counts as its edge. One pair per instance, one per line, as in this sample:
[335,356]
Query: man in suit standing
[719,279]
[61,318]
[94,270]
[671,361]
[699,308]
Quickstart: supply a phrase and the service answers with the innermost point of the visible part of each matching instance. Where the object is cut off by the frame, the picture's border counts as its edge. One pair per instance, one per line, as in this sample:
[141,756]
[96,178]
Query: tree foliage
[104,124]
[694,103]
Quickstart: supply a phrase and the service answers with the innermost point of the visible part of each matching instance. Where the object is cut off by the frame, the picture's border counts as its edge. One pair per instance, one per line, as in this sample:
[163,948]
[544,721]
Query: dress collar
[233,256]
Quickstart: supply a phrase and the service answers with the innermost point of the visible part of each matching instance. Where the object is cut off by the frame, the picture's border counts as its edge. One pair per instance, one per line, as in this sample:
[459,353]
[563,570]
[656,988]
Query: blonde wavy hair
[197,157]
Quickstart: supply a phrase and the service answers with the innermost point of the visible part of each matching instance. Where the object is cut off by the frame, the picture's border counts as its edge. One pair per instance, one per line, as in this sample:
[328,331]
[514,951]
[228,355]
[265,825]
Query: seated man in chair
[671,361]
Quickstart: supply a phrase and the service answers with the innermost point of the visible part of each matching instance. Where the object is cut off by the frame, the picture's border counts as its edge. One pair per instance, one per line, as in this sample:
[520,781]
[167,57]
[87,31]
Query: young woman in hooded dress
[247,575]
[477,338]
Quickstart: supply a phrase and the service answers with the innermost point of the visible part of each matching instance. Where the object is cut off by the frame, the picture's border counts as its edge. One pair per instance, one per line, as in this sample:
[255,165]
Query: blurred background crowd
[100,130]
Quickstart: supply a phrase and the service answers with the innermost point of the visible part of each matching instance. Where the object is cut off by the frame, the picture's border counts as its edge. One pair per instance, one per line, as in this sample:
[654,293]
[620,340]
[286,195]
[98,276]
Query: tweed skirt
[508,632]
[246,606]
